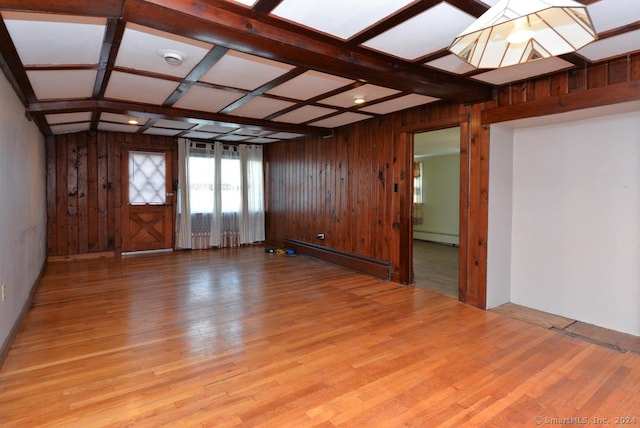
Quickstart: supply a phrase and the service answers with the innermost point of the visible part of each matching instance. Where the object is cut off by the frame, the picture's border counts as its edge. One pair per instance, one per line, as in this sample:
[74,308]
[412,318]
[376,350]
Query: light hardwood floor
[245,338]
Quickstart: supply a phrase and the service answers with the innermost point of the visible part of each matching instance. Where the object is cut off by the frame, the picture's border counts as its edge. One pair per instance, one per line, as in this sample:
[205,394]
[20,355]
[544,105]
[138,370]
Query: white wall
[441,196]
[500,217]
[575,247]
[23,210]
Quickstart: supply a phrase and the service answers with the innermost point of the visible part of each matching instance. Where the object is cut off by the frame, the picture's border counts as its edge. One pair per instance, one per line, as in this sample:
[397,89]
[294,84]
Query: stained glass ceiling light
[517,31]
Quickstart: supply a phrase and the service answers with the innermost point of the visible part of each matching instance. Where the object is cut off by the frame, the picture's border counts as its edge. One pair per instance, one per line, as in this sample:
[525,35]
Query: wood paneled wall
[84,189]
[344,186]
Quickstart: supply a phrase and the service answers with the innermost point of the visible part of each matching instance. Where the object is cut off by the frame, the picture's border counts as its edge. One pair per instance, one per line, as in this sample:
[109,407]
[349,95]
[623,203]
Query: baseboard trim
[83,256]
[374,267]
[6,345]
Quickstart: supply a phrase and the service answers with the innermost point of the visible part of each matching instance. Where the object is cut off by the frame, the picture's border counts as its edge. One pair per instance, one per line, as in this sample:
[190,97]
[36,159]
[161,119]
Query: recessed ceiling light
[359,99]
[133,122]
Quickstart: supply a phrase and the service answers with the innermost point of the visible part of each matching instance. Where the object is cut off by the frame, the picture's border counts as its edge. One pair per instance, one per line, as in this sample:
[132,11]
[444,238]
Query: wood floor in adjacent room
[245,338]
[435,266]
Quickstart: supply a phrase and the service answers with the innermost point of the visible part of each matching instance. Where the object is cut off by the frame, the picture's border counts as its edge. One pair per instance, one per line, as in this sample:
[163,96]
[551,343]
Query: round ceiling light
[172,57]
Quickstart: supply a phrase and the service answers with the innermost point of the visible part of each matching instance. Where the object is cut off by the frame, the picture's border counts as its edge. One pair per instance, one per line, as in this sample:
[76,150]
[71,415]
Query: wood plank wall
[84,189]
[344,186]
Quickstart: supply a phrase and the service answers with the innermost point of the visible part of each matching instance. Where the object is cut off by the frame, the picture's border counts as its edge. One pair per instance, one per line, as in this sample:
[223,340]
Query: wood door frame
[171,197]
[466,214]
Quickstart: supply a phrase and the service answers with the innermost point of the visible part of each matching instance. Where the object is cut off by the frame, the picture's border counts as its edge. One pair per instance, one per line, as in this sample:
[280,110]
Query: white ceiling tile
[70,128]
[612,46]
[143,48]
[132,87]
[243,71]
[340,120]
[304,114]
[200,135]
[430,31]
[308,85]
[262,140]
[232,137]
[217,129]
[162,131]
[252,132]
[207,99]
[513,73]
[285,135]
[62,84]
[84,116]
[340,18]
[55,39]
[247,2]
[452,64]
[369,92]
[260,107]
[176,124]
[117,127]
[398,104]
[608,14]
[122,118]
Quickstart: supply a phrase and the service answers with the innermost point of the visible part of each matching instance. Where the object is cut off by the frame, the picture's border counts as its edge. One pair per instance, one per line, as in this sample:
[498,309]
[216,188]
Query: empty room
[227,213]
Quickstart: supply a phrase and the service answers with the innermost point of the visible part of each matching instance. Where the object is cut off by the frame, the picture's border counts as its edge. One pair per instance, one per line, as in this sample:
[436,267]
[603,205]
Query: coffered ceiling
[256,70]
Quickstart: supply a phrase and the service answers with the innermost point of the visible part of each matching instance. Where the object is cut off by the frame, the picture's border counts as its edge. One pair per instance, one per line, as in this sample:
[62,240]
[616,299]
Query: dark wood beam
[17,77]
[266,6]
[103,8]
[212,57]
[170,113]
[268,37]
[395,19]
[607,95]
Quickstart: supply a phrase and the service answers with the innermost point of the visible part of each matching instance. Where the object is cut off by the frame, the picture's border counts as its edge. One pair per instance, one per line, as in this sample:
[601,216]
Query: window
[147,178]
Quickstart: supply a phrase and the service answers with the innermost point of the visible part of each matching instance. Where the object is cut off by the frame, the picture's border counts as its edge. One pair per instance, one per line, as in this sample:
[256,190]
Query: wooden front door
[147,217]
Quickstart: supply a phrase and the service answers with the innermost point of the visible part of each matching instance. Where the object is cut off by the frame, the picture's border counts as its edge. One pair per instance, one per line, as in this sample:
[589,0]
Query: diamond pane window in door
[147,173]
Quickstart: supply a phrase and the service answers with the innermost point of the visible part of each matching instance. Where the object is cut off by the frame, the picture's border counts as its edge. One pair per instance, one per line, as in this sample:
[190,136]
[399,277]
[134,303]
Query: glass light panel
[147,178]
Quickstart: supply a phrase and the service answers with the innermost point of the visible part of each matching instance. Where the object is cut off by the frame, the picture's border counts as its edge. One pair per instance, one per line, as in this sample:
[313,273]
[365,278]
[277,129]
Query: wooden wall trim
[597,97]
[377,268]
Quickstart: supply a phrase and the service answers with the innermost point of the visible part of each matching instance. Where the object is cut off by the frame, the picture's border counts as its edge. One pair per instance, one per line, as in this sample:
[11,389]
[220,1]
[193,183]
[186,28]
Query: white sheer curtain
[221,195]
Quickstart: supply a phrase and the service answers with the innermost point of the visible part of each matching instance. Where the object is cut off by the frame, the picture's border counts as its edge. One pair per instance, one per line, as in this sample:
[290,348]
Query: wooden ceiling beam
[101,8]
[244,30]
[169,113]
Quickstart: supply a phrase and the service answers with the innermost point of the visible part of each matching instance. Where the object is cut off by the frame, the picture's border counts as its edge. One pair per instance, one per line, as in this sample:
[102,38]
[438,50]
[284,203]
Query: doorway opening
[436,210]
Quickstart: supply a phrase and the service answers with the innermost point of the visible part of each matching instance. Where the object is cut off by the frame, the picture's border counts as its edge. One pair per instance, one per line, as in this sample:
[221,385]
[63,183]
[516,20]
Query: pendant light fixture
[517,31]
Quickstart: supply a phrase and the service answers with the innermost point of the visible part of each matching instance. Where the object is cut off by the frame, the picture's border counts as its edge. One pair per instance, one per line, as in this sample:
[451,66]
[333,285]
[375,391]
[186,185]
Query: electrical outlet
[4,292]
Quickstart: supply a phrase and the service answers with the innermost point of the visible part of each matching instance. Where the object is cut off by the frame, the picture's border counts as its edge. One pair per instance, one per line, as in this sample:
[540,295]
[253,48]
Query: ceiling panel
[609,14]
[207,99]
[260,107]
[117,127]
[122,118]
[240,70]
[143,48]
[55,39]
[452,64]
[71,128]
[217,129]
[61,84]
[341,119]
[309,85]
[397,104]
[424,33]
[133,87]
[69,117]
[612,46]
[286,135]
[339,18]
[522,71]
[175,124]
[304,114]
[162,131]
[368,92]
